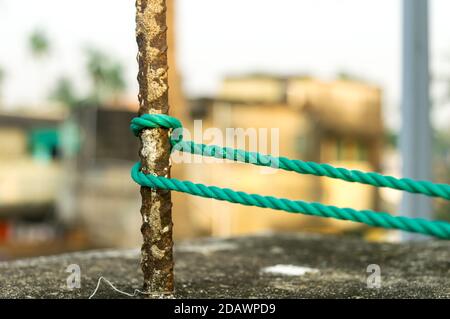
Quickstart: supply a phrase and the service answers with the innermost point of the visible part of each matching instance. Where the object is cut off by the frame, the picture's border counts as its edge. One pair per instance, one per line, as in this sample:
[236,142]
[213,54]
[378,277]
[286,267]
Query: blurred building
[70,173]
[64,174]
[97,192]
[30,170]
[336,122]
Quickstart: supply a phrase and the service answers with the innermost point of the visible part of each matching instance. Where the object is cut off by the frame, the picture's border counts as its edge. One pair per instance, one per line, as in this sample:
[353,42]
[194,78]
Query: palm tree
[106,79]
[39,43]
[64,92]
[106,76]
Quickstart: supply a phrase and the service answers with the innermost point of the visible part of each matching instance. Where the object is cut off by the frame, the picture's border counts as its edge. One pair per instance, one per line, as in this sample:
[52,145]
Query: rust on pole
[156,210]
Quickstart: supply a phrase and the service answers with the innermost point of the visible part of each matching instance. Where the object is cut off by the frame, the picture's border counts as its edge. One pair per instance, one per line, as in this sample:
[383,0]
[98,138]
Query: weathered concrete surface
[232,268]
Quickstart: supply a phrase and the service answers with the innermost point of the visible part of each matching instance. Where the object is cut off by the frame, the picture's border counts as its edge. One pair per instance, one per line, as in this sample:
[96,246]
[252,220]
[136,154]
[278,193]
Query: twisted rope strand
[438,229]
[375,179]
[311,168]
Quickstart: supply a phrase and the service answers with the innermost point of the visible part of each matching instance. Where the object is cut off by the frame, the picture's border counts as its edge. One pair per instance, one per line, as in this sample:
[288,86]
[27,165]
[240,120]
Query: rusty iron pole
[156,210]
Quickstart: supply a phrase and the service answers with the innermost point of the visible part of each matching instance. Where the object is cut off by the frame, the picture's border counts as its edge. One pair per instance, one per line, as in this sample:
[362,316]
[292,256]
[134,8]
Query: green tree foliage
[64,92]
[106,76]
[39,43]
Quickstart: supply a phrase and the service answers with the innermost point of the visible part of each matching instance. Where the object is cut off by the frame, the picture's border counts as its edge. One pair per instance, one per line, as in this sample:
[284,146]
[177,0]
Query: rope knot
[158,121]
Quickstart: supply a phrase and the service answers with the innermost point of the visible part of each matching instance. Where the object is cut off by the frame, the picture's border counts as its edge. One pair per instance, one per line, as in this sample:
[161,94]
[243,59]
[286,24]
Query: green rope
[438,229]
[434,228]
[375,179]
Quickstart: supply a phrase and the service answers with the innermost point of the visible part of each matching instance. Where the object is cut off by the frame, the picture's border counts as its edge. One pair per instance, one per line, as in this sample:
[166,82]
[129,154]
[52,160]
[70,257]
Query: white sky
[220,37]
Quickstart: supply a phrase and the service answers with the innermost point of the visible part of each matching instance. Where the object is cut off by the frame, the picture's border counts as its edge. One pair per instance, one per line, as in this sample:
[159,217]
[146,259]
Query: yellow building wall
[264,106]
[224,219]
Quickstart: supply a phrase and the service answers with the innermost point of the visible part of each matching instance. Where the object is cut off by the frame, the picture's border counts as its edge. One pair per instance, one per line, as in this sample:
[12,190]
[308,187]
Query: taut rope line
[438,229]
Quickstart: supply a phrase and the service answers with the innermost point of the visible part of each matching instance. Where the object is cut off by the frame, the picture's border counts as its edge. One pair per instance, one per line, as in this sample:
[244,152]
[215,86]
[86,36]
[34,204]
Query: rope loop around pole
[158,121]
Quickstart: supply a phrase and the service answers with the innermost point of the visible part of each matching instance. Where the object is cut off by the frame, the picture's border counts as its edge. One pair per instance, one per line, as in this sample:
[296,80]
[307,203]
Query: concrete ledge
[314,267]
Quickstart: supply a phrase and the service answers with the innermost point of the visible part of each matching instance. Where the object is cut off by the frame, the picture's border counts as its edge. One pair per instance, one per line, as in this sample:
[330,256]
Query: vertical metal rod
[156,210]
[415,135]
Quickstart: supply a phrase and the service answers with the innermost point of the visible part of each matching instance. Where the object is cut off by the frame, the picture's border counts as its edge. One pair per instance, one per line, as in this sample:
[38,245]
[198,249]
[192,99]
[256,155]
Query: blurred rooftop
[326,266]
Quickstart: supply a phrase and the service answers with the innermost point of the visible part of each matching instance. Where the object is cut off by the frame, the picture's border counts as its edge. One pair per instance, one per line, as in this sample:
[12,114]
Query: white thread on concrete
[136,291]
